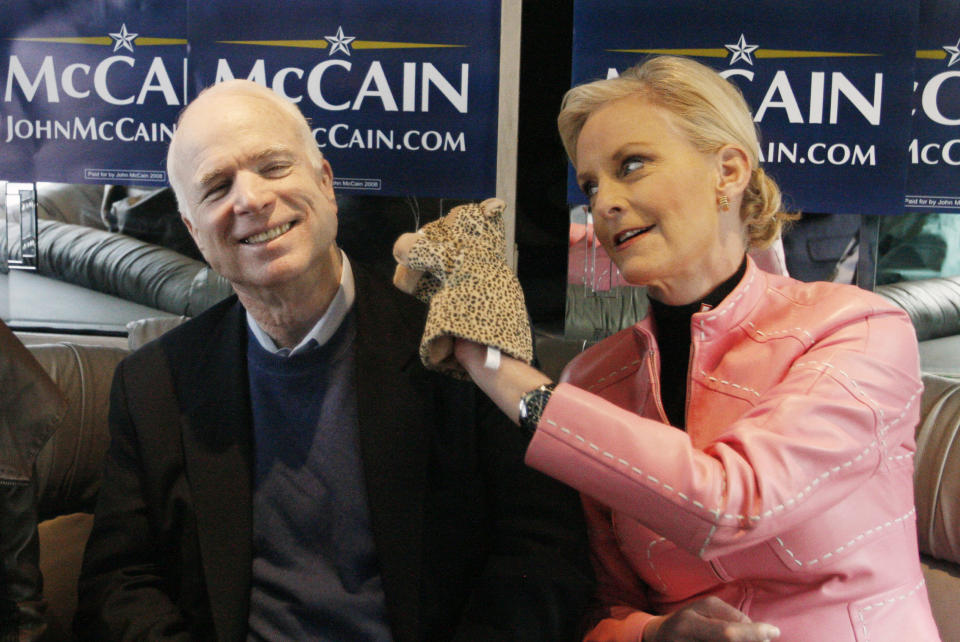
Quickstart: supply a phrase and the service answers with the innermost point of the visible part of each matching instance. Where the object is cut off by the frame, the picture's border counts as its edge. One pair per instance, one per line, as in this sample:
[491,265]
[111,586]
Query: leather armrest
[128,268]
[937,469]
[933,304]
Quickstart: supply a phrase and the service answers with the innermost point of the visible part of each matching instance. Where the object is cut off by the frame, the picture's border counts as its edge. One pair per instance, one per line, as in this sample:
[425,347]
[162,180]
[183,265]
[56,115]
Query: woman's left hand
[504,384]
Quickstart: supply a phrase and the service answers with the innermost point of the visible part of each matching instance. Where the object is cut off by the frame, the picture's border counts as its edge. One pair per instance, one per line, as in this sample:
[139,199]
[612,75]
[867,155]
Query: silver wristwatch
[532,404]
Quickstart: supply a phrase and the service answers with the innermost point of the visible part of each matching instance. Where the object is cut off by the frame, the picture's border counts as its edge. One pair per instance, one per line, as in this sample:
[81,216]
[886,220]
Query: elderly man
[281,466]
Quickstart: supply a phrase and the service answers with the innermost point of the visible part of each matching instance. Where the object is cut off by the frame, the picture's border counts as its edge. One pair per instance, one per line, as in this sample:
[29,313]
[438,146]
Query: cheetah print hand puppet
[456,264]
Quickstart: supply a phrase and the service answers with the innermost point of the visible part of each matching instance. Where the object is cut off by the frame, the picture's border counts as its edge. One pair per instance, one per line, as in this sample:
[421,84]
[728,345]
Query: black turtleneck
[673,338]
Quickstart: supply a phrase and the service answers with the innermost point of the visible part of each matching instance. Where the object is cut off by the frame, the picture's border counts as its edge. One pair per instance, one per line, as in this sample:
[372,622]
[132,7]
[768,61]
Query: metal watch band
[532,404]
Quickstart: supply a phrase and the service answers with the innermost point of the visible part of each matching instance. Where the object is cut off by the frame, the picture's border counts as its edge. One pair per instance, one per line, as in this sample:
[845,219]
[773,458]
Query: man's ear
[733,170]
[190,228]
[325,178]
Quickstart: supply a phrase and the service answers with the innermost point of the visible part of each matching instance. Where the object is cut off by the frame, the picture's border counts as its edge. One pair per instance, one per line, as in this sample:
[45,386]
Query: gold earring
[724,203]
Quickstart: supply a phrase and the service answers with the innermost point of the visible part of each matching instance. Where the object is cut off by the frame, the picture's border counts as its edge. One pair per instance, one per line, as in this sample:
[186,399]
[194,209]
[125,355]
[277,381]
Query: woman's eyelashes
[627,166]
[631,164]
[589,189]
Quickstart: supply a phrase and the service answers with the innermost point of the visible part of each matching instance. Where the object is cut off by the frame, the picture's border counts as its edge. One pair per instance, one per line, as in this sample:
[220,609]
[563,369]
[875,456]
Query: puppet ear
[493,206]
[401,247]
[405,278]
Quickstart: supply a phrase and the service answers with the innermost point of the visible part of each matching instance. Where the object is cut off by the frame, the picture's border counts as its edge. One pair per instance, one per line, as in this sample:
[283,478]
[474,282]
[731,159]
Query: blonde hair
[709,110]
[244,89]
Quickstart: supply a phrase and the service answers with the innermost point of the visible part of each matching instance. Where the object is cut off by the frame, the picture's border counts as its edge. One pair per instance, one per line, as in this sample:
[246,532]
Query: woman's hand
[708,620]
[504,385]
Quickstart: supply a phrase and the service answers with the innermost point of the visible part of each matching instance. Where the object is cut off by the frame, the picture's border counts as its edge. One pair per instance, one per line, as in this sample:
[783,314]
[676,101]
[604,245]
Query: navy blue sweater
[315,573]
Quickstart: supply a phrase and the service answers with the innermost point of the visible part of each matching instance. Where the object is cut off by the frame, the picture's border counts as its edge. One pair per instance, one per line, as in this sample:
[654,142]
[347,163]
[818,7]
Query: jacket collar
[731,312]
[734,308]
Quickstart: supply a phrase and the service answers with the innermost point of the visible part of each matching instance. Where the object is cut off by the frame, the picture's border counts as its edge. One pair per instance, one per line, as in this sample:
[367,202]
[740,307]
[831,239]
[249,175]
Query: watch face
[532,405]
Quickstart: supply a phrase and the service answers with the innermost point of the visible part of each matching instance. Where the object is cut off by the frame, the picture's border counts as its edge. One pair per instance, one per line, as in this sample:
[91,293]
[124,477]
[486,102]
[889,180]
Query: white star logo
[340,42]
[741,51]
[954,52]
[124,38]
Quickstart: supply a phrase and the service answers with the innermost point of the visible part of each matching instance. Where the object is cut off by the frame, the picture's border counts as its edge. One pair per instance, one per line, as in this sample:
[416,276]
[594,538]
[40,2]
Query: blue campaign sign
[91,90]
[933,179]
[402,97]
[829,83]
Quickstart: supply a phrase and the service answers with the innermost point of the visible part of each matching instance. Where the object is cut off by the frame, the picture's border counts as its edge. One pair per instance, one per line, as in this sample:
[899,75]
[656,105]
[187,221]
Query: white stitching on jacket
[823,365]
[732,303]
[704,374]
[715,513]
[599,381]
[774,333]
[854,540]
[817,365]
[886,602]
[899,457]
[650,561]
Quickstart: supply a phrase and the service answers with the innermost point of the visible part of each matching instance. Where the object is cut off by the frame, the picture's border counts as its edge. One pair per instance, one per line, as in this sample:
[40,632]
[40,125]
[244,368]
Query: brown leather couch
[31,409]
[937,492]
[54,435]
[68,470]
[68,467]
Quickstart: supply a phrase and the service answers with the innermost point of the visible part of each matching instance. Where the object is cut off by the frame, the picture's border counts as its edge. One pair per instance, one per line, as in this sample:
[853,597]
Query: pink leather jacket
[789,495]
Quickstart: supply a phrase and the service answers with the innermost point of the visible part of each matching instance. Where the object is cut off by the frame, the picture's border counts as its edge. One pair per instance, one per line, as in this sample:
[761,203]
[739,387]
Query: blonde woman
[744,453]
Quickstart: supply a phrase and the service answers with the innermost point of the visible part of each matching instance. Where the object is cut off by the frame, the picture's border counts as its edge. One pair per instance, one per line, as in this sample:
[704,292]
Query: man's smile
[270,234]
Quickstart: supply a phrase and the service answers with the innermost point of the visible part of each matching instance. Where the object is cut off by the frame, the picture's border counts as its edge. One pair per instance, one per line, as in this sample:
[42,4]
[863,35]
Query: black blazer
[472,544]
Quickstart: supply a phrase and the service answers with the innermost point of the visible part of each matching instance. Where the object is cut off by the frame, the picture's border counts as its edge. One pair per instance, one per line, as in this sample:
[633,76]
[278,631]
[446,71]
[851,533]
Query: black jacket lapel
[393,439]
[218,453]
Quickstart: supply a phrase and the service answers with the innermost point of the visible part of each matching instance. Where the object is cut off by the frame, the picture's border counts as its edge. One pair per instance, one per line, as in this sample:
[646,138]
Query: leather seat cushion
[69,466]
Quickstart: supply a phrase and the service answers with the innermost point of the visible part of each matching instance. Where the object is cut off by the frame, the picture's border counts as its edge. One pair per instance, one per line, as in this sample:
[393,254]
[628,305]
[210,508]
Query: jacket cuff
[629,629]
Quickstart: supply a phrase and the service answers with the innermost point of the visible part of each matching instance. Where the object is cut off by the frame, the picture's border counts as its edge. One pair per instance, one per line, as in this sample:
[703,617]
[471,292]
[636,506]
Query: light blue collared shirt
[321,332]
